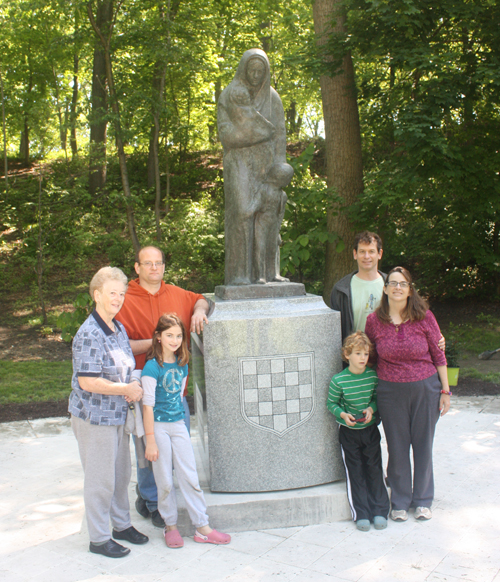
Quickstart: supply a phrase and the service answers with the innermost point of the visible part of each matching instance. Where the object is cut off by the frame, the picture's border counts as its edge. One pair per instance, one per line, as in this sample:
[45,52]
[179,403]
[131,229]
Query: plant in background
[452,354]
[304,231]
[69,322]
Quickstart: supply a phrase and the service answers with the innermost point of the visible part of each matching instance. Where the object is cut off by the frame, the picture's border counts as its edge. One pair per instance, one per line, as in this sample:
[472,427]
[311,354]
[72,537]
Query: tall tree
[429,87]
[99,104]
[105,39]
[344,164]
[4,132]
[73,115]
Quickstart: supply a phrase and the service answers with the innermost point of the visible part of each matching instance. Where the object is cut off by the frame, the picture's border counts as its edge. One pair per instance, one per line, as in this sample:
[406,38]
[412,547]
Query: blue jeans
[146,479]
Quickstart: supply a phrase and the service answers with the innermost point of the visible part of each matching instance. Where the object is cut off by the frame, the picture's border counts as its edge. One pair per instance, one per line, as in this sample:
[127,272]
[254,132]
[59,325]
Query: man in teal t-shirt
[358,294]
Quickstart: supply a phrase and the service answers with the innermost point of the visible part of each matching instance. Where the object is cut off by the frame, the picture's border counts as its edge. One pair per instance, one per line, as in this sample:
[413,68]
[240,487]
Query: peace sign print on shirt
[172,381]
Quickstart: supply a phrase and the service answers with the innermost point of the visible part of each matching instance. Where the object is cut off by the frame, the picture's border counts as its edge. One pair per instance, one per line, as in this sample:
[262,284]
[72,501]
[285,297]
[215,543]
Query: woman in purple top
[412,392]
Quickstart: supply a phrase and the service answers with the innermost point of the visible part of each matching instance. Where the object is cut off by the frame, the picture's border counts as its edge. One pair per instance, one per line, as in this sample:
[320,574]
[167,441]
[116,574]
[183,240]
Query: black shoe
[110,549]
[157,519]
[141,507]
[131,535]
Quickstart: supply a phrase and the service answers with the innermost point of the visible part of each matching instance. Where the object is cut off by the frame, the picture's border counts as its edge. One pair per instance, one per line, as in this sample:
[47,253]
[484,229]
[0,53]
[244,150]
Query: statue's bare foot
[260,281]
[280,279]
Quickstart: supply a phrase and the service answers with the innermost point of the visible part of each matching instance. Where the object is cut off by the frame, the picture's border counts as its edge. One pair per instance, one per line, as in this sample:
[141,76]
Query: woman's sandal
[214,537]
[173,538]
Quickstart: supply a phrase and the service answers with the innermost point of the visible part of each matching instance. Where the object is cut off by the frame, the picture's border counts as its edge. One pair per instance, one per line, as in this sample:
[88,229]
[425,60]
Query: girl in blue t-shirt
[167,440]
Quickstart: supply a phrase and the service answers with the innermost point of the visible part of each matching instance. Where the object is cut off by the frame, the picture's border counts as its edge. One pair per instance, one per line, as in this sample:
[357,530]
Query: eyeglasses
[149,264]
[402,284]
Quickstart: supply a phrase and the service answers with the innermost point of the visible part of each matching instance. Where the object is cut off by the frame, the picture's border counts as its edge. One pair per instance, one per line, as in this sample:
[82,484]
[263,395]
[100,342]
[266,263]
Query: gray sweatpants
[410,411]
[105,455]
[176,451]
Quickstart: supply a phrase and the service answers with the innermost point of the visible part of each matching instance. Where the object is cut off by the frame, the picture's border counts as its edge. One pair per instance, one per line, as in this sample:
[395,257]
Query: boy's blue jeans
[146,479]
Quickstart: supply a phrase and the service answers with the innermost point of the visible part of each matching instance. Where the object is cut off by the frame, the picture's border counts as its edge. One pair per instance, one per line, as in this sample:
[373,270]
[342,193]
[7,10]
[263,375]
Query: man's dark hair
[366,237]
[149,247]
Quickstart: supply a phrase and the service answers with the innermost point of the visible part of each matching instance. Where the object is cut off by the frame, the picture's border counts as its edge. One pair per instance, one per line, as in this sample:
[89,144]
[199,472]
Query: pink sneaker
[173,538]
[214,537]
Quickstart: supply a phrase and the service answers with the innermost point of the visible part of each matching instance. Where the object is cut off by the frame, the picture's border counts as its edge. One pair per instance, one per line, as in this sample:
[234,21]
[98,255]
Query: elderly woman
[102,390]
[412,392]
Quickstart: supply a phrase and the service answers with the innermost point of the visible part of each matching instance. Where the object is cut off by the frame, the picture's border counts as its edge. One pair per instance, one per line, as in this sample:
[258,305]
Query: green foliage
[474,338]
[304,231]
[81,233]
[452,354]
[34,381]
[428,86]
[69,322]
[194,235]
[486,377]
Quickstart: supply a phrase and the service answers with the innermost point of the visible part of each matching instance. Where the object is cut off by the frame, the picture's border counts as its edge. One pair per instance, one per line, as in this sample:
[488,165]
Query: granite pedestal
[267,367]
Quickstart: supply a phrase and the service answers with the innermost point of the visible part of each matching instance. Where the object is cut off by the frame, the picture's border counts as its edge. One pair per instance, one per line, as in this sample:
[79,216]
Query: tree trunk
[156,155]
[63,133]
[266,39]
[158,89]
[291,117]
[496,248]
[4,129]
[342,140]
[166,16]
[106,41]
[73,110]
[167,172]
[39,264]
[151,157]
[24,146]
[99,105]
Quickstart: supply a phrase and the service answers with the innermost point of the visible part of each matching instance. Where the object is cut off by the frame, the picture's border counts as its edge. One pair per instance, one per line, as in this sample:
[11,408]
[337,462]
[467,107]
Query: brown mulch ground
[13,412]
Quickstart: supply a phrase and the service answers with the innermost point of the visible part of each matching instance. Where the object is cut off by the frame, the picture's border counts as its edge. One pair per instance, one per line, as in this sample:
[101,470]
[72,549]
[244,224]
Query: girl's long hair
[416,307]
[166,321]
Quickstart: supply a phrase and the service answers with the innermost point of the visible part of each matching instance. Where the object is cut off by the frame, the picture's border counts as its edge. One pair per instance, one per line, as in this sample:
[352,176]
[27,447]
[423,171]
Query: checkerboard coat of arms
[277,392]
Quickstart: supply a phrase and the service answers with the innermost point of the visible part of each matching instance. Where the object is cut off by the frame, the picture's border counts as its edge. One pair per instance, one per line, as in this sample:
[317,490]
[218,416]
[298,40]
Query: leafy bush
[304,230]
[69,322]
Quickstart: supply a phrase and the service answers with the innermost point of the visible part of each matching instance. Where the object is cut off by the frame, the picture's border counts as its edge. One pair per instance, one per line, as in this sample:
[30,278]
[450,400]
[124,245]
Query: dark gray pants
[409,411]
[105,455]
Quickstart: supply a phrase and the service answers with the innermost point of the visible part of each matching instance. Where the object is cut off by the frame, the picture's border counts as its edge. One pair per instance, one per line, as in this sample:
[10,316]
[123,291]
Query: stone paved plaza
[42,537]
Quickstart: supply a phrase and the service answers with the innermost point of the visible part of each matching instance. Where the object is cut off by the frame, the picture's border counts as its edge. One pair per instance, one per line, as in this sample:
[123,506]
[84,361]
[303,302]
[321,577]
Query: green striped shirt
[352,393]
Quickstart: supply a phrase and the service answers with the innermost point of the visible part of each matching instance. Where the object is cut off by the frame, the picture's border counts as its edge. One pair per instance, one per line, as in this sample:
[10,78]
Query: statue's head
[240,95]
[280,174]
[256,71]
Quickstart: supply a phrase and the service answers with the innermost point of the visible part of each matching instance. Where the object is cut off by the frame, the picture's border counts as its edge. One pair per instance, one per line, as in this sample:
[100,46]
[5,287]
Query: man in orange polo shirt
[146,299]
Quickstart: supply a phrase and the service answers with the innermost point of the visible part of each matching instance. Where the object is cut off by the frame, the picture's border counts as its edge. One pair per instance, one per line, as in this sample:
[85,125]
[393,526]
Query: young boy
[352,400]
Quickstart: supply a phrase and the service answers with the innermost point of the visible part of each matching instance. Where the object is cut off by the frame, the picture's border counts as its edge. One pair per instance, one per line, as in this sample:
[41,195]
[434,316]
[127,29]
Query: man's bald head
[144,249]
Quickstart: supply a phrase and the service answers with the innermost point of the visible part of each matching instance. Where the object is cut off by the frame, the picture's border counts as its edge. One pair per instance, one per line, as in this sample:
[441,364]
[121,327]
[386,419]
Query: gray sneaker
[423,513]
[399,515]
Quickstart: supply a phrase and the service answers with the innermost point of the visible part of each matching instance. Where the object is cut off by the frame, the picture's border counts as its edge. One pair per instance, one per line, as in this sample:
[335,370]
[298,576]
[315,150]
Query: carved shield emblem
[277,392]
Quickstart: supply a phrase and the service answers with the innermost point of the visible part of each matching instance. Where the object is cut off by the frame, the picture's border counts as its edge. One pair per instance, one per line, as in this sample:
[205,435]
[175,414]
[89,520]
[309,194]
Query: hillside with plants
[109,142]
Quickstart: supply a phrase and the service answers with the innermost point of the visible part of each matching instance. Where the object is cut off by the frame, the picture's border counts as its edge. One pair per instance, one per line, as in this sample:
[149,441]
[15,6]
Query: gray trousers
[176,452]
[410,411]
[105,455]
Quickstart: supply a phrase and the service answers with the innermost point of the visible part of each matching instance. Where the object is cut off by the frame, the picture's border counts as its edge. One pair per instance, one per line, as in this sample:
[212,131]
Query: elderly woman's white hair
[106,274]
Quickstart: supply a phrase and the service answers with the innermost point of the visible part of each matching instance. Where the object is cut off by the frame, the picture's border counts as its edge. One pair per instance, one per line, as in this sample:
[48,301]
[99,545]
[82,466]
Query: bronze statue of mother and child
[251,124]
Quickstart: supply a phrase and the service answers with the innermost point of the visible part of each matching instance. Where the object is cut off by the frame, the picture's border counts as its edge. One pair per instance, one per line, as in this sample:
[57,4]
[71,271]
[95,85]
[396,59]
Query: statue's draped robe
[250,150]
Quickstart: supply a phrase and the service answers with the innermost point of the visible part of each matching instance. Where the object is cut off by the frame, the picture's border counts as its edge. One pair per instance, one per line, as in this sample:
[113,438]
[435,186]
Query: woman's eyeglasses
[402,284]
